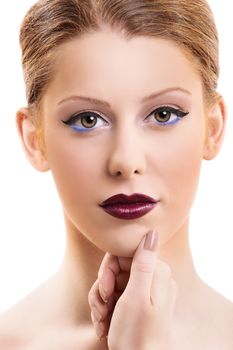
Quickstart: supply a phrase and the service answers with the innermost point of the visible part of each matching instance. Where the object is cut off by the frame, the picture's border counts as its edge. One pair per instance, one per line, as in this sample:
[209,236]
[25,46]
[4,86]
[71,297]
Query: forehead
[106,62]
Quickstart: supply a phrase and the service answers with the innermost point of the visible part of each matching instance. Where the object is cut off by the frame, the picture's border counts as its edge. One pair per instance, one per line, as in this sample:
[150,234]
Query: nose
[127,156]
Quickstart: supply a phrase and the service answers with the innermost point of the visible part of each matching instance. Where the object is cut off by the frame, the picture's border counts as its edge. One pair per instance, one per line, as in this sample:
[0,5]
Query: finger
[107,273]
[99,328]
[101,312]
[98,308]
[143,266]
[109,270]
[102,328]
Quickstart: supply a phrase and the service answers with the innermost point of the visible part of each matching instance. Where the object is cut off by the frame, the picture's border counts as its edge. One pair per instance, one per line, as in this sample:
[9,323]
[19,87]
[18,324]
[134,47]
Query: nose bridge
[127,152]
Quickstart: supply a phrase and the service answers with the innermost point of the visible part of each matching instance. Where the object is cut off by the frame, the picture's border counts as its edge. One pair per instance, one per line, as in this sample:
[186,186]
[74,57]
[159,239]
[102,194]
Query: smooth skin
[127,152]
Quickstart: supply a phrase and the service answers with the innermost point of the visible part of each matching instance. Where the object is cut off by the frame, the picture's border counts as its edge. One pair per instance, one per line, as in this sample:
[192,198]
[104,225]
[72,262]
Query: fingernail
[151,240]
[96,314]
[103,293]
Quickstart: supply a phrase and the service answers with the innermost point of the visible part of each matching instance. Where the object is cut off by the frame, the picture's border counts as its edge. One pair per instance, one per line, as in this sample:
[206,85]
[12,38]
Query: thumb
[143,266]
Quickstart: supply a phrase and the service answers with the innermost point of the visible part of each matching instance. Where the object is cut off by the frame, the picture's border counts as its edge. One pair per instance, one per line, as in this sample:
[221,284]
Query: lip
[128,207]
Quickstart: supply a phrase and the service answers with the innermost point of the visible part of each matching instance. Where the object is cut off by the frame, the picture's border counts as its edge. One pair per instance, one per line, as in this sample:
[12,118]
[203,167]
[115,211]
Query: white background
[32,235]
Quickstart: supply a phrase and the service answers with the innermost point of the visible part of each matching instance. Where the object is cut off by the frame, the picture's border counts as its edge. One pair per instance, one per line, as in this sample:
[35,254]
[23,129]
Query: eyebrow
[106,104]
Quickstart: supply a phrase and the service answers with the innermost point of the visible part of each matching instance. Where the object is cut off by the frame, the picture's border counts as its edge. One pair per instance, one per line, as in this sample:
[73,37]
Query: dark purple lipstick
[126,207]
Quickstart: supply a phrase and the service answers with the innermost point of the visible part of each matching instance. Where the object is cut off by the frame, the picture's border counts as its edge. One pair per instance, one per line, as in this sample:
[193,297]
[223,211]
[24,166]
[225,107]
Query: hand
[139,297]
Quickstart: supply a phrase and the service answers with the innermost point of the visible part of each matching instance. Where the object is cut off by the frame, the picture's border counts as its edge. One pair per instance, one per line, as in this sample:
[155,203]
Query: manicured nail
[96,314]
[103,293]
[151,240]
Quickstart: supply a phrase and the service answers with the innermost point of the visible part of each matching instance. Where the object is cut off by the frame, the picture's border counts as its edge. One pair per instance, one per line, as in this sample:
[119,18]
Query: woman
[122,108]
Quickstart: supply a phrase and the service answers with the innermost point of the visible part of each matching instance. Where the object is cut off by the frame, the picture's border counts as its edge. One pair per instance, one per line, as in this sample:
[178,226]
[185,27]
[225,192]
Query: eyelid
[172,108]
[79,115]
[179,112]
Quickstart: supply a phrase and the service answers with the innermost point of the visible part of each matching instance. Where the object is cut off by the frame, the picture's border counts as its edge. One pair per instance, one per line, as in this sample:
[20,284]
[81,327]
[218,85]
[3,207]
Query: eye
[167,115]
[85,121]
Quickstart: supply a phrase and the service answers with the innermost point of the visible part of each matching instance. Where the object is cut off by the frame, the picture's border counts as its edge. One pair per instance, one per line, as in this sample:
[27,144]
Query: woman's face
[125,147]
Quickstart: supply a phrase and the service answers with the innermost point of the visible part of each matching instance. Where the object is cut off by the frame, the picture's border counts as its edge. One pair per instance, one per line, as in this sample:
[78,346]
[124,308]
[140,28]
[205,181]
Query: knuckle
[93,318]
[91,298]
[143,267]
[100,273]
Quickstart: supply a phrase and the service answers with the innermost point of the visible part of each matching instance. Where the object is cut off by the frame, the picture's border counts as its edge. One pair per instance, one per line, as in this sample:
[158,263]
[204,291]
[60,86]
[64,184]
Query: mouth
[128,207]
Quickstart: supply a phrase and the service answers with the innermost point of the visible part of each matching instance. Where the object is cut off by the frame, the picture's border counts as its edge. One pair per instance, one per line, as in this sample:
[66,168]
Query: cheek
[184,171]
[180,168]
[74,171]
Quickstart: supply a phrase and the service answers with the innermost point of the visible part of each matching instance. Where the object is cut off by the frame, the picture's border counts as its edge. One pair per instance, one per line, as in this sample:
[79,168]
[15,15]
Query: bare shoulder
[14,335]
[11,336]
[224,308]
[20,323]
[219,319]
[37,322]
[15,328]
[219,304]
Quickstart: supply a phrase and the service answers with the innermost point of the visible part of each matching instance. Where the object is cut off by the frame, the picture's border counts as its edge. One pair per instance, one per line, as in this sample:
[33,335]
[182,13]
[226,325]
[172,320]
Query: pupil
[164,115]
[89,121]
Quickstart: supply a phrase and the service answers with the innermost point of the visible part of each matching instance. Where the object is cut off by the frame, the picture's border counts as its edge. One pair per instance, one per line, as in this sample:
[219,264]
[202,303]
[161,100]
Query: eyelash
[167,109]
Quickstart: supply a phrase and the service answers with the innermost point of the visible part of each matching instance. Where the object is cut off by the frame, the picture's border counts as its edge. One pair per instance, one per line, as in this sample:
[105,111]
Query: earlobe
[216,123]
[30,141]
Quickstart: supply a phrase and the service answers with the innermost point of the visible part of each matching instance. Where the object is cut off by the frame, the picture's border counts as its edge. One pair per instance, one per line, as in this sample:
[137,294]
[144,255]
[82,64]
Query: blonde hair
[50,23]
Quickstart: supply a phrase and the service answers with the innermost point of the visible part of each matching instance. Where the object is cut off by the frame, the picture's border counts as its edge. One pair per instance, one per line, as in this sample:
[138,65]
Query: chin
[123,246]
[119,239]
[124,252]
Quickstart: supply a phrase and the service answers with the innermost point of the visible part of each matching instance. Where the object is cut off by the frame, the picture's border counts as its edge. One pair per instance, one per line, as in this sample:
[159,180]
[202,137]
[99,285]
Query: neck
[82,260]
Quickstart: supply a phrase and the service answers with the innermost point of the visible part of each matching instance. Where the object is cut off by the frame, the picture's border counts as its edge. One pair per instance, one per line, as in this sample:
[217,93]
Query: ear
[28,134]
[215,129]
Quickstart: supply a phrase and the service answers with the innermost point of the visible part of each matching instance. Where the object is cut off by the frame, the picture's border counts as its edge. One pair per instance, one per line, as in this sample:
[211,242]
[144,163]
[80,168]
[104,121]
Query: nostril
[120,173]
